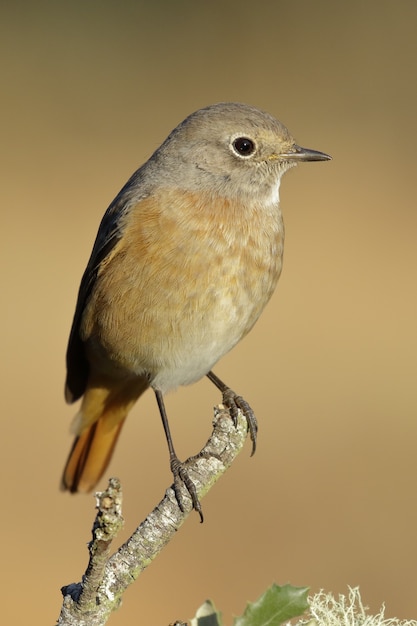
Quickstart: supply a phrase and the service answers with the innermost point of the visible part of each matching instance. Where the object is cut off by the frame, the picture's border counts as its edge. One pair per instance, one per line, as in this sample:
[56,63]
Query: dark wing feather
[108,235]
[77,364]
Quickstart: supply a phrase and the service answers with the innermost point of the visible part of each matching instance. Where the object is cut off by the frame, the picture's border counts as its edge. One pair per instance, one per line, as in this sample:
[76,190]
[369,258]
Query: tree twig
[91,601]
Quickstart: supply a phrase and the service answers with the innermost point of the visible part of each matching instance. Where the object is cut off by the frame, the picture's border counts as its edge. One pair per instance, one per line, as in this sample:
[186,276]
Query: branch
[91,601]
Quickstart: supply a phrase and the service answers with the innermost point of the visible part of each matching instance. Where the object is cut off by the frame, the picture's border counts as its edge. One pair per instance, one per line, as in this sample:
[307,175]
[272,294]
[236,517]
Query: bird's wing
[109,233]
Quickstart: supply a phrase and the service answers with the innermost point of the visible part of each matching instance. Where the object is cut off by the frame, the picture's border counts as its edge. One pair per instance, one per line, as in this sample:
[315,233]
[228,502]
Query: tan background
[89,89]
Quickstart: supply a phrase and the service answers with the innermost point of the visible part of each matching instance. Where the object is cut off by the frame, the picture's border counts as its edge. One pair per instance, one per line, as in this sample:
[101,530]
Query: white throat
[274,197]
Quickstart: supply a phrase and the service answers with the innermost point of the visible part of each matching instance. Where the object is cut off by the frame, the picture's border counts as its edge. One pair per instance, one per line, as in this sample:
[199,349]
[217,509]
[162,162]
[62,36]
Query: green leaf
[206,615]
[275,606]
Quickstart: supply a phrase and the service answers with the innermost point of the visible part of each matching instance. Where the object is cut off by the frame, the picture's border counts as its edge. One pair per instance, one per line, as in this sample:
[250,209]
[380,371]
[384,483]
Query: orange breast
[187,280]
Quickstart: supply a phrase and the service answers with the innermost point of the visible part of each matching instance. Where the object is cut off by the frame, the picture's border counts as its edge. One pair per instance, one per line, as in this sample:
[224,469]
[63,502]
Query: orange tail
[97,426]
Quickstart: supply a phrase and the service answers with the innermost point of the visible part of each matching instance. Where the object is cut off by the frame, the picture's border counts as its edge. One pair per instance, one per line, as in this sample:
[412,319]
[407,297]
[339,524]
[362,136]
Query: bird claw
[234,402]
[182,478]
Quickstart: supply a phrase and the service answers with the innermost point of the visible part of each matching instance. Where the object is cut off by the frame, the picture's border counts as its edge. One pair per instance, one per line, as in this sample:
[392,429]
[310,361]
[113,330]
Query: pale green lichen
[326,610]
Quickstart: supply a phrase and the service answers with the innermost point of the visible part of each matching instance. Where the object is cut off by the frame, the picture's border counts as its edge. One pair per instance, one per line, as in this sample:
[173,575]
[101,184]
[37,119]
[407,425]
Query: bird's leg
[178,468]
[234,402]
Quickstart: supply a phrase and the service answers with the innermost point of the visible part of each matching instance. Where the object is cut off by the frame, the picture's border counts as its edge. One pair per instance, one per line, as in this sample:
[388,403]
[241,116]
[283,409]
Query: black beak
[297,153]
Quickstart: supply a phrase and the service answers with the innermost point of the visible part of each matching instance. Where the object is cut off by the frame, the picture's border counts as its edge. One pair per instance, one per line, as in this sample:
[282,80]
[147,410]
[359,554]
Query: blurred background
[89,90]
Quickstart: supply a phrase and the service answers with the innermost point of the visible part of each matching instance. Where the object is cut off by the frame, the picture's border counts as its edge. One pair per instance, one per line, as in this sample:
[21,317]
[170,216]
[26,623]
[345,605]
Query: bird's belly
[201,320]
[198,341]
[187,299]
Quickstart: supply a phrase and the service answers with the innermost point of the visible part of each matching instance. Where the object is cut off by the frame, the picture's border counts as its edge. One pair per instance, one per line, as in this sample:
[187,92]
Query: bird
[186,257]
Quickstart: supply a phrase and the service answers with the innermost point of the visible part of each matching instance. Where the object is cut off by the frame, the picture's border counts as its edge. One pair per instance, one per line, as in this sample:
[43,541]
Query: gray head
[230,148]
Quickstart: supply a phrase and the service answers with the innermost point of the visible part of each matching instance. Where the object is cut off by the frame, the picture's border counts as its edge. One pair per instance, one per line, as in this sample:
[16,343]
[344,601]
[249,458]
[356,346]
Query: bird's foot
[182,478]
[233,403]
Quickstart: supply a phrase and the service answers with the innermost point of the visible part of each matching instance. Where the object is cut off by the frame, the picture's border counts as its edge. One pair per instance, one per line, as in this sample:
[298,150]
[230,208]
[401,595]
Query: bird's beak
[297,153]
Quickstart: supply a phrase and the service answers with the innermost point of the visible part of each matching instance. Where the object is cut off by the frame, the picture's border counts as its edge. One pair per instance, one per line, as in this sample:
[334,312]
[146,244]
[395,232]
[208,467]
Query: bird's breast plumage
[188,279]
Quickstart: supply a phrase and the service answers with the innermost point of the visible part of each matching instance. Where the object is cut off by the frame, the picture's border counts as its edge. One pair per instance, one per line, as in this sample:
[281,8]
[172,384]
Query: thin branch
[90,602]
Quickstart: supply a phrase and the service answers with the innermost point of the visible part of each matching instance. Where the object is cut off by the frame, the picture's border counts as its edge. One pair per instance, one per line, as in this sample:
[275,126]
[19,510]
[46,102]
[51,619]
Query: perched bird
[186,257]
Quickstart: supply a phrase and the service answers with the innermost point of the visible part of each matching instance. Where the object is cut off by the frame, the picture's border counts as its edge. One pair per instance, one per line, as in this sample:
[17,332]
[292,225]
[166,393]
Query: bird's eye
[243,146]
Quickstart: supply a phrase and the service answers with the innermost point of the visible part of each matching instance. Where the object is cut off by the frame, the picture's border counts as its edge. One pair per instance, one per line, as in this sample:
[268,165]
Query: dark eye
[243,146]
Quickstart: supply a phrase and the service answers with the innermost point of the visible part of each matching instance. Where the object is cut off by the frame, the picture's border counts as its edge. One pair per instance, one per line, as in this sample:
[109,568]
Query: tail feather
[90,456]
[98,426]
